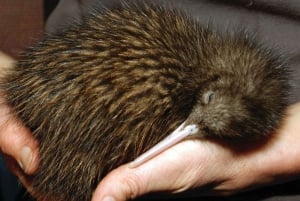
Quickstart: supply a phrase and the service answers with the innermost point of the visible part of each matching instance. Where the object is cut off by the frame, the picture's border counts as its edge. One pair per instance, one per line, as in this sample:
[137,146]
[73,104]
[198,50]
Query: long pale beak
[176,136]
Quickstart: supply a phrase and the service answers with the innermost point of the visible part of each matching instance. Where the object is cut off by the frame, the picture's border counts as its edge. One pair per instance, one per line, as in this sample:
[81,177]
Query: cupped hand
[16,141]
[222,167]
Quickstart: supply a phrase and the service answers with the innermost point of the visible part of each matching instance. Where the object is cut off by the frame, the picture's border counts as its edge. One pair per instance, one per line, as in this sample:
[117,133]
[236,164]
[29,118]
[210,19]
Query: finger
[125,188]
[6,62]
[17,141]
[167,172]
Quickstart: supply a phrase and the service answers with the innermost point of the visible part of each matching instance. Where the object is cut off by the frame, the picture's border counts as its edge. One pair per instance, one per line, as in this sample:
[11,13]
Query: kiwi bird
[101,92]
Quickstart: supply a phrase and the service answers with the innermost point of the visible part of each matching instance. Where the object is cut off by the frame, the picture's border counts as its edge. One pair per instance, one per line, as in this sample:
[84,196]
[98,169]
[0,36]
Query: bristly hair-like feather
[102,92]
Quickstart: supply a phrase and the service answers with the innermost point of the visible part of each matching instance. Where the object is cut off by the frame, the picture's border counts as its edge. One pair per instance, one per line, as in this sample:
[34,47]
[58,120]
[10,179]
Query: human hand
[223,167]
[16,141]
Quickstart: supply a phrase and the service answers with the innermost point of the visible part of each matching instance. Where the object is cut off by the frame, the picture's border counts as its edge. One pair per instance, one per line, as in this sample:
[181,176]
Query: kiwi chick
[107,89]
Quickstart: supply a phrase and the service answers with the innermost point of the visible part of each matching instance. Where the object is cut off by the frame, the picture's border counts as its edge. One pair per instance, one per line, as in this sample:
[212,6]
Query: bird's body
[104,91]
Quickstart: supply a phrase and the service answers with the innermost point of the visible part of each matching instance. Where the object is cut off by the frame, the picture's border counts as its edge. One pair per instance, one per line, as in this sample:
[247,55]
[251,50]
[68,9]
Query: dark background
[22,23]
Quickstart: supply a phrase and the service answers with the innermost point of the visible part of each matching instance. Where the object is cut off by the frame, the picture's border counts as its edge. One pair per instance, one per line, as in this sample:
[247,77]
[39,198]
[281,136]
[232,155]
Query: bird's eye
[208,97]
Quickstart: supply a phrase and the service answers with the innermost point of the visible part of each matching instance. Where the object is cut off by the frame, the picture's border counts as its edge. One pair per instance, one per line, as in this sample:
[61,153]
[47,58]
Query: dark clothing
[8,183]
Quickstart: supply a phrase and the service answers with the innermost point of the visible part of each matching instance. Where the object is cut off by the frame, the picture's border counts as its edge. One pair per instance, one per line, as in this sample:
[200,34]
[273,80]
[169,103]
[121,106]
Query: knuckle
[132,183]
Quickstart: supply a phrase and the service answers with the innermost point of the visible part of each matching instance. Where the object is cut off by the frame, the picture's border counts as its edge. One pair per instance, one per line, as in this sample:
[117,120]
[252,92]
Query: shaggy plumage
[107,89]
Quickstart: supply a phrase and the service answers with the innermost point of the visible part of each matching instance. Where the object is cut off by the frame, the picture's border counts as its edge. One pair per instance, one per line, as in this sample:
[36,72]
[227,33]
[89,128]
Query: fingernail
[108,198]
[25,157]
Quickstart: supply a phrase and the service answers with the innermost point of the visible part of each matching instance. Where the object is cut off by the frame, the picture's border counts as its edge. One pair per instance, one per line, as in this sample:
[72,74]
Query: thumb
[167,172]
[17,141]
[122,184]
[125,183]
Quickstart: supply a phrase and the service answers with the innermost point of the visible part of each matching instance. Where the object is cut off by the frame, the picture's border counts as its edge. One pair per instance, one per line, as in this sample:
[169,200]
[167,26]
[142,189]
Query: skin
[16,141]
[229,167]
